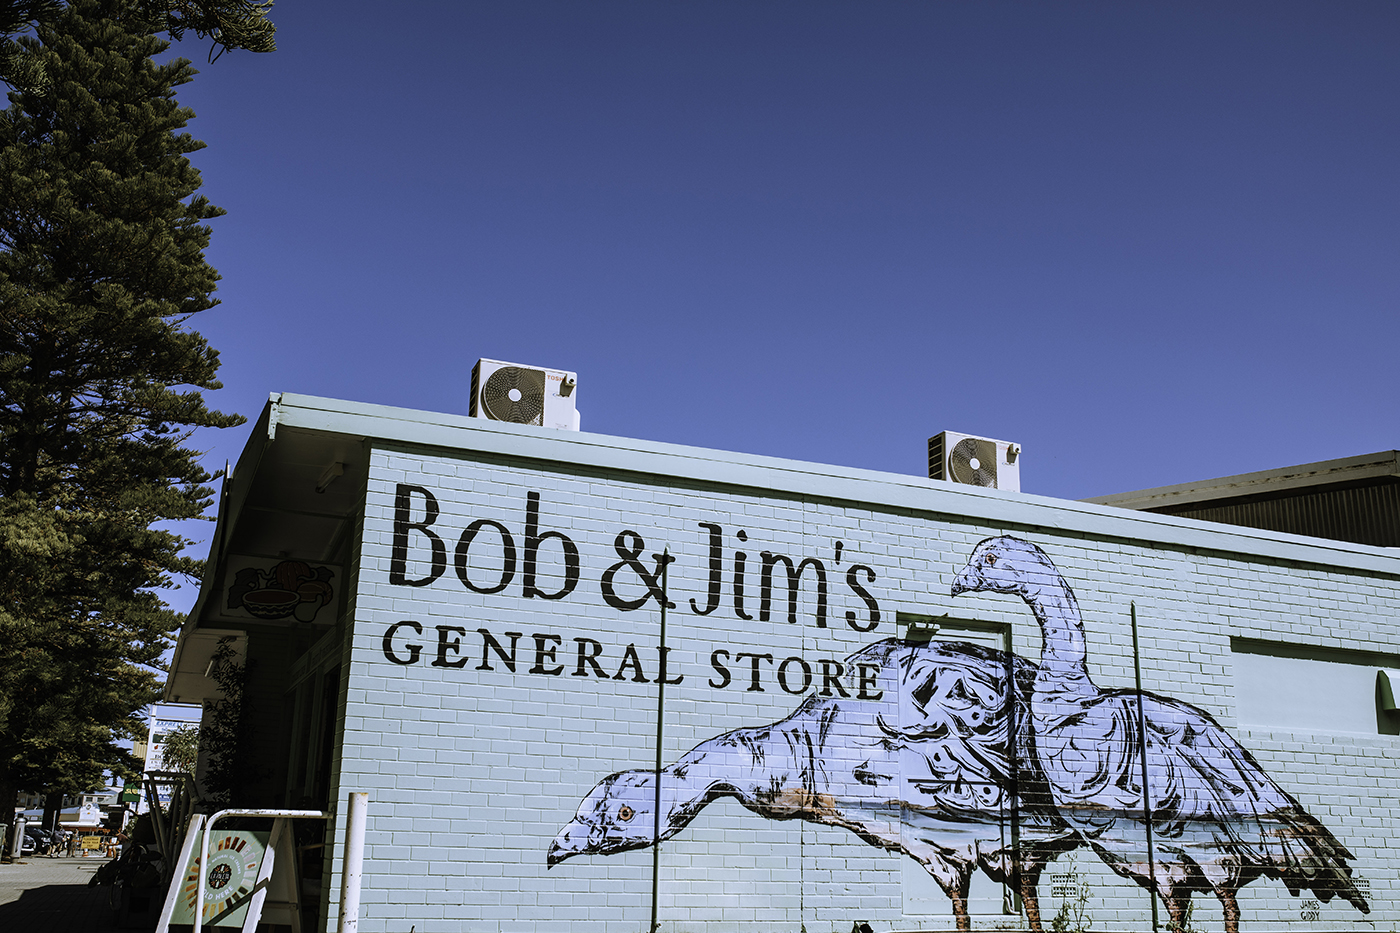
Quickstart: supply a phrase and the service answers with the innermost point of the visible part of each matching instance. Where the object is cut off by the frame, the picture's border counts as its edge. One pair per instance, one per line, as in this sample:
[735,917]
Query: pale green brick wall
[473,772]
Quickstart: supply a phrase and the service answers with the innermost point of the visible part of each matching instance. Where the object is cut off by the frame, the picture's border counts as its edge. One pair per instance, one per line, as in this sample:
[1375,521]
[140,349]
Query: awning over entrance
[277,558]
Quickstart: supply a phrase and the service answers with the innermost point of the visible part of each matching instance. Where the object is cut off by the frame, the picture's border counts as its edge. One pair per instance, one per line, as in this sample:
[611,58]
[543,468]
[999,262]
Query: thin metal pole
[195,830]
[1013,758]
[1142,747]
[660,720]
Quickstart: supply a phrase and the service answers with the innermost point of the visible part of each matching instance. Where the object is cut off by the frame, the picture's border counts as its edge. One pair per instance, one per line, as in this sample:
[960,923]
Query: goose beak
[572,841]
[965,582]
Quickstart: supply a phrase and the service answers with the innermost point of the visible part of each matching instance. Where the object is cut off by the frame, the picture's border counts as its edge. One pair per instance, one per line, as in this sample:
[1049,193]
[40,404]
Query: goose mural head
[1005,565]
[615,816]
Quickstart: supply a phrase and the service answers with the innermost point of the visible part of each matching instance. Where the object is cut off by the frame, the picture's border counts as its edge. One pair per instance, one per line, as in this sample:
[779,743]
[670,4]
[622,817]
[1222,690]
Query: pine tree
[227,24]
[101,265]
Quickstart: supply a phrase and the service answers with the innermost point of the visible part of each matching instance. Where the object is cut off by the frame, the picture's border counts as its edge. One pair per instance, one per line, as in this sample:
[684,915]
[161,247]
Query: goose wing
[951,731]
[1212,804]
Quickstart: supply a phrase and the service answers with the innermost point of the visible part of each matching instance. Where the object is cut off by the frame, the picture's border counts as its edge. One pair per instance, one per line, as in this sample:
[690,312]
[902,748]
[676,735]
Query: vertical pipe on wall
[1011,893]
[660,711]
[352,867]
[1142,749]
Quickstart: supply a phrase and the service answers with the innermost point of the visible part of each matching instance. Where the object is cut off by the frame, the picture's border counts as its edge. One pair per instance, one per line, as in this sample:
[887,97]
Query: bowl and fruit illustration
[290,588]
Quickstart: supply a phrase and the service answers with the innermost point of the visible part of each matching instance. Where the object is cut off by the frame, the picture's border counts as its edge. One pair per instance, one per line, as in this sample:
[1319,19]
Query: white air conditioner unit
[524,395]
[975,461]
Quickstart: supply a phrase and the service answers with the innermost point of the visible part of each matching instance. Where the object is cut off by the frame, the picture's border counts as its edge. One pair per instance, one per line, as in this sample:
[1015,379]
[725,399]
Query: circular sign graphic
[219,876]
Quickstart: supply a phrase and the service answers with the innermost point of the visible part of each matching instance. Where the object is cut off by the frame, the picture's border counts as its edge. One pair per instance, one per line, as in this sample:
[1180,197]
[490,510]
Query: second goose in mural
[1219,821]
[934,767]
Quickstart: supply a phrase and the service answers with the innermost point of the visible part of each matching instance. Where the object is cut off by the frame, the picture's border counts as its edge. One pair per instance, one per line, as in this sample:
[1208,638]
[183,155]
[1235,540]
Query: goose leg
[958,895]
[1030,896]
[1232,909]
[1177,906]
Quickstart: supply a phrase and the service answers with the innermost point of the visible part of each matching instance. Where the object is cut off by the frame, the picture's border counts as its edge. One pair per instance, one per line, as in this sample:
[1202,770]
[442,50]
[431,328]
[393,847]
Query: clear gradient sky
[1151,242]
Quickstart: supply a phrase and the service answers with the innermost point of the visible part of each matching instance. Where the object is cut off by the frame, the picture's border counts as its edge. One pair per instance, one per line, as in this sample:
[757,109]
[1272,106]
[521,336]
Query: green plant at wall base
[1073,914]
[226,735]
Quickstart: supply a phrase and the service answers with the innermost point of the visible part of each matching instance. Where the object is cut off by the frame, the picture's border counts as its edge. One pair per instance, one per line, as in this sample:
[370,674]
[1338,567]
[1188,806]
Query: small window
[1315,694]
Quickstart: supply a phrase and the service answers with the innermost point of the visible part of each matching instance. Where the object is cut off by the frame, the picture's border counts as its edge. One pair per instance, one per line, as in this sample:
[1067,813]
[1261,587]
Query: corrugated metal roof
[1361,514]
[1354,499]
[1304,477]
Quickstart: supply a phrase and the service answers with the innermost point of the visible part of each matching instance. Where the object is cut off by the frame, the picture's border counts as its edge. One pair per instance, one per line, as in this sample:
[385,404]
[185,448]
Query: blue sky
[1152,243]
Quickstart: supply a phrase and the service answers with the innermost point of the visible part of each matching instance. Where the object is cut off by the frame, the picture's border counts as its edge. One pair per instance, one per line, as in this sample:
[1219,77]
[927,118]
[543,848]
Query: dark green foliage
[181,750]
[18,67]
[226,737]
[101,264]
[230,24]
[227,24]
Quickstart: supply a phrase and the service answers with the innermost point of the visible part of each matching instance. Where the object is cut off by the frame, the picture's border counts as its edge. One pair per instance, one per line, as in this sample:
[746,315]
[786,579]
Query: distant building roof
[1354,499]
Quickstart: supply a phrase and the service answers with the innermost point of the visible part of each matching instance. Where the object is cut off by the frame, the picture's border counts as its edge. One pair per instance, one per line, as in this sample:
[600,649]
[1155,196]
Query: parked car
[49,841]
[43,839]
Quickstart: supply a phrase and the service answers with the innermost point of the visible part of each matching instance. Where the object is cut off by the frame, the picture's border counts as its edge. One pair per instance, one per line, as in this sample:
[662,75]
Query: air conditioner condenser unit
[974,461]
[524,395]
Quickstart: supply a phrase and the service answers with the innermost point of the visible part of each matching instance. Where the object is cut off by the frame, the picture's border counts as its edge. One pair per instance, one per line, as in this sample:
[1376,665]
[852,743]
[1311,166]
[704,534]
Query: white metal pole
[172,897]
[352,865]
[201,871]
[17,839]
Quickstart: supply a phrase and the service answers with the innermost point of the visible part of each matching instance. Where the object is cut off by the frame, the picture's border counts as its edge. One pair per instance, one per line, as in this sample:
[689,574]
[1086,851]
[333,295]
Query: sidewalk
[51,895]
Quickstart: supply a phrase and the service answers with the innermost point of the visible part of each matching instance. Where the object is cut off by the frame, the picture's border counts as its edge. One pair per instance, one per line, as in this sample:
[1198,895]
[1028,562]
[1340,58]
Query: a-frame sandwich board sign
[251,878]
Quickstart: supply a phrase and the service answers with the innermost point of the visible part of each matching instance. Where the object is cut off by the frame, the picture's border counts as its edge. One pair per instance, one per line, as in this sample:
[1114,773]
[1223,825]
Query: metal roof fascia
[458,432]
[1264,482]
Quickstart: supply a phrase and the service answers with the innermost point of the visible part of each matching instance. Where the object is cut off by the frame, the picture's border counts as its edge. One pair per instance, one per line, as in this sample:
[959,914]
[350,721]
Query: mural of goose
[1218,820]
[922,767]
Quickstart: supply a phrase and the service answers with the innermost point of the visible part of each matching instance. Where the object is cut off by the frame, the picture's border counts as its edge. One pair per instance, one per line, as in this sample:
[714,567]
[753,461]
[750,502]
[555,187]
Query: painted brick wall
[473,769]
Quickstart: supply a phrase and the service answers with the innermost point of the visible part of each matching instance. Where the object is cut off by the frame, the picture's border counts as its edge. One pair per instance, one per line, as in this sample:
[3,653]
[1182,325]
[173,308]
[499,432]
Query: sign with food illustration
[290,591]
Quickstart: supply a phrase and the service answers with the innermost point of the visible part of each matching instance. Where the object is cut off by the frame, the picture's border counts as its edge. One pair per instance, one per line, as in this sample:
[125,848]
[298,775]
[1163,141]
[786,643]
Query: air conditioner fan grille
[973,462]
[514,394]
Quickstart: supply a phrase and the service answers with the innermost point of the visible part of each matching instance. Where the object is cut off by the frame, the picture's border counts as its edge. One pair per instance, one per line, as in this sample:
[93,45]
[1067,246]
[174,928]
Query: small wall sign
[288,591]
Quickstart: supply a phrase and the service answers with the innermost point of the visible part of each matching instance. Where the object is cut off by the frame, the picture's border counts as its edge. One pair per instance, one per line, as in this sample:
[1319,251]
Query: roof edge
[1385,463]
[411,427]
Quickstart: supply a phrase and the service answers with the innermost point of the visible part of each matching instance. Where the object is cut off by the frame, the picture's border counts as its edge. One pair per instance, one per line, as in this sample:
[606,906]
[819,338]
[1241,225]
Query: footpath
[51,895]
